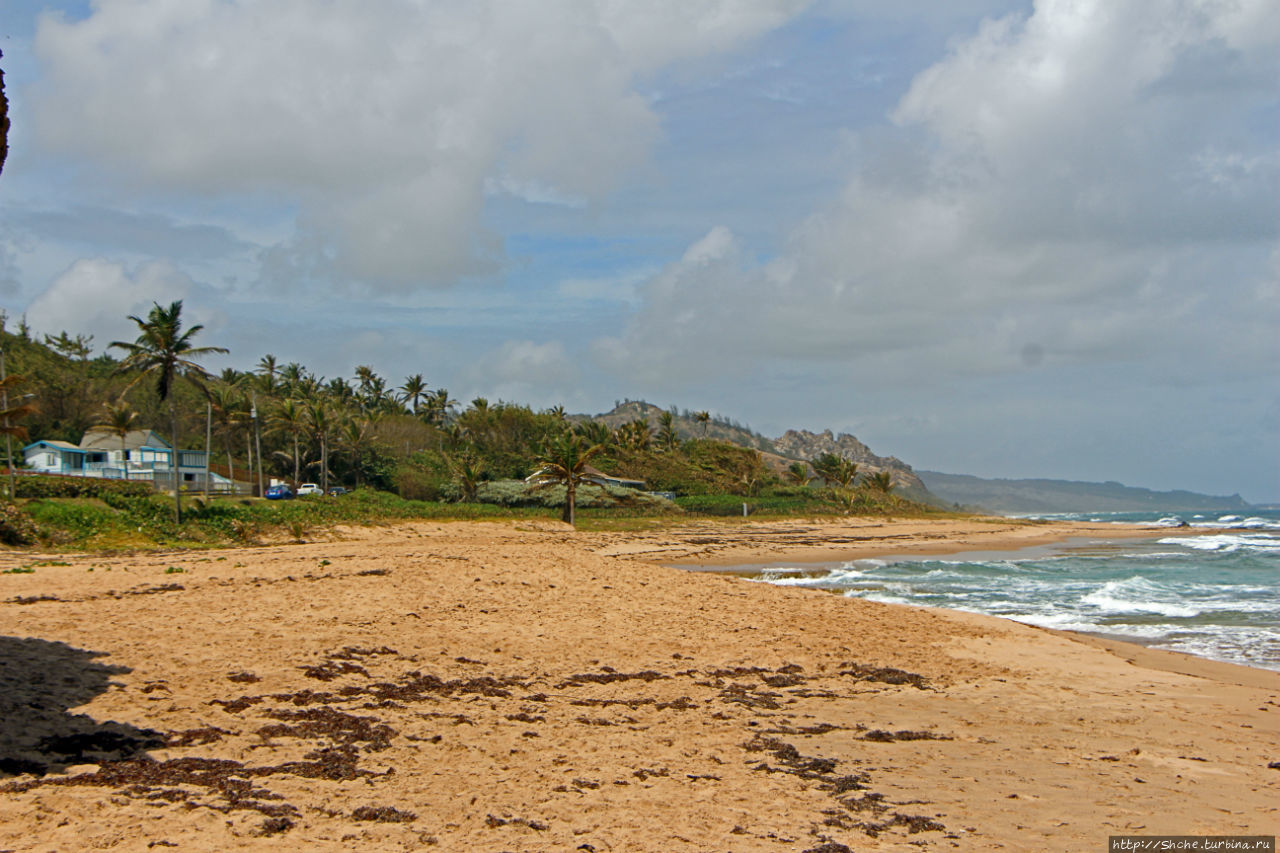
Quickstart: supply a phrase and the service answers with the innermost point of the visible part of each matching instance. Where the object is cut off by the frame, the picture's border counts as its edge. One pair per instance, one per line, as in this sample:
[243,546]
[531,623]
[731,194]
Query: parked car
[338,491]
[309,489]
[279,493]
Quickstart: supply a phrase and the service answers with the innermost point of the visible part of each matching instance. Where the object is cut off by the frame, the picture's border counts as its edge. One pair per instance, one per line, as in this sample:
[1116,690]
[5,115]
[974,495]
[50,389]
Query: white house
[141,455]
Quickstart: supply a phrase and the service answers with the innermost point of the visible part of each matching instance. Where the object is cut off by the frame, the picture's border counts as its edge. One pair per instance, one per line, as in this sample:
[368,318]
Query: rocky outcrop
[778,453]
[805,445]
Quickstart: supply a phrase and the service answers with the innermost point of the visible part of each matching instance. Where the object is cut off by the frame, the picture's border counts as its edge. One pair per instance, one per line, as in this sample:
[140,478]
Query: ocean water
[1214,593]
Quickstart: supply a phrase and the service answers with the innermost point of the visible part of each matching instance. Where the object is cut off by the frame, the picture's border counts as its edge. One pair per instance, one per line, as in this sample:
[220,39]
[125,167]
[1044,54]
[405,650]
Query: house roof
[60,445]
[597,473]
[97,437]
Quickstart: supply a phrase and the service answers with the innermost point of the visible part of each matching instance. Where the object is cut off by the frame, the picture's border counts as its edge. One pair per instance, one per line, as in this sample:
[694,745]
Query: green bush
[517,493]
[416,484]
[37,486]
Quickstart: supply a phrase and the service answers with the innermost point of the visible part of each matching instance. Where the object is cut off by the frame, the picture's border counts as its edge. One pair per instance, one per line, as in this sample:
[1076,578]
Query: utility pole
[257,437]
[208,438]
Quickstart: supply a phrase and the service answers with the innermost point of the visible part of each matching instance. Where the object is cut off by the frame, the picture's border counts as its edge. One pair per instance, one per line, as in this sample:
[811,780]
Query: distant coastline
[1010,497]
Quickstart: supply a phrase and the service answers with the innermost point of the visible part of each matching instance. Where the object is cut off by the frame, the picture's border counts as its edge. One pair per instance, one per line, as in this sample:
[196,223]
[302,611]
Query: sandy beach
[525,687]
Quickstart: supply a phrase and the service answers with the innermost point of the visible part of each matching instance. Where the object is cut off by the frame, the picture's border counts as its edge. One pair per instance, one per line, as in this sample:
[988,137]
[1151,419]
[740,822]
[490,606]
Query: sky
[1009,239]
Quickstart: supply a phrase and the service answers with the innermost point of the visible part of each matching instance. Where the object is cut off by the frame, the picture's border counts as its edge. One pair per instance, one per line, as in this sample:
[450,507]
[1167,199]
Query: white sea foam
[1227,542]
[1253,522]
[882,597]
[1134,596]
[1213,593]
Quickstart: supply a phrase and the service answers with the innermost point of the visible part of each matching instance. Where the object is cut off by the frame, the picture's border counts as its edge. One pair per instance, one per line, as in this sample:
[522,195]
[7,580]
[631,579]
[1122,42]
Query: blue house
[141,455]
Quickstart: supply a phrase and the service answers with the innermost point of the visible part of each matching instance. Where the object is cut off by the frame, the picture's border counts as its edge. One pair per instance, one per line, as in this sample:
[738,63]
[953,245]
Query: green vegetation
[407,451]
[164,352]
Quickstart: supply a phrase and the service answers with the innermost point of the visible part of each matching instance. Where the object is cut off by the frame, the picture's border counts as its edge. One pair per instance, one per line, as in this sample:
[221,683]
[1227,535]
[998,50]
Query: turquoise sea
[1214,593]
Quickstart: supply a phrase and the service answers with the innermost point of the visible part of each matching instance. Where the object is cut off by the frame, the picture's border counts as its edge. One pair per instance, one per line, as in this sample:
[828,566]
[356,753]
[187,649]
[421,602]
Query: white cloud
[383,122]
[96,297]
[1060,185]
[537,374]
[531,362]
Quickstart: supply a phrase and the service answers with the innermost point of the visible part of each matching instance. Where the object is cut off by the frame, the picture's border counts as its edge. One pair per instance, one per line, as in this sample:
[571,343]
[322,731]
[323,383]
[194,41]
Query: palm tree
[231,376]
[881,481]
[290,418]
[413,390]
[668,438]
[798,473]
[703,418]
[595,432]
[563,460]
[268,367]
[834,469]
[440,406]
[290,375]
[635,434]
[320,419]
[357,434]
[227,404]
[162,349]
[120,420]
[467,469]
[340,390]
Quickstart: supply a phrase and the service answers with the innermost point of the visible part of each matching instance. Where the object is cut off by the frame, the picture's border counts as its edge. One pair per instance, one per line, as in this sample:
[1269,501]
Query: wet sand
[491,687]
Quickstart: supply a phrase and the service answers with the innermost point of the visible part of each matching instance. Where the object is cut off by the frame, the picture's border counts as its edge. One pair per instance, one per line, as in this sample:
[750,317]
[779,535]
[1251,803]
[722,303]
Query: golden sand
[494,687]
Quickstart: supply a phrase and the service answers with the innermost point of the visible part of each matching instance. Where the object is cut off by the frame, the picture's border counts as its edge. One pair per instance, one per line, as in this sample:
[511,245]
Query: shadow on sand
[40,681]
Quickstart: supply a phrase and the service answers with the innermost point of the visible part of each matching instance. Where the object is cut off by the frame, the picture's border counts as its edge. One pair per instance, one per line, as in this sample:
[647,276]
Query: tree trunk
[569,495]
[295,460]
[231,464]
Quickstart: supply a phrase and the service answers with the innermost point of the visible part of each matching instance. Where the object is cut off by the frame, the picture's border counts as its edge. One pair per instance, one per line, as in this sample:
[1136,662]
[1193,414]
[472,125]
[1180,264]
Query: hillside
[1019,496]
[778,453]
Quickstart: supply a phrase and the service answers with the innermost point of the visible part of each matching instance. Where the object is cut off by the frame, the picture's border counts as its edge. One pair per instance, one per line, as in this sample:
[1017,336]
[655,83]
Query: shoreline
[518,687]
[1131,650]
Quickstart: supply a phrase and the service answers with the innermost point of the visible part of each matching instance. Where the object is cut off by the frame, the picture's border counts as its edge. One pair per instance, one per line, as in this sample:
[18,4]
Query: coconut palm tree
[120,420]
[468,470]
[290,375]
[636,434]
[228,406]
[835,469]
[881,481]
[357,434]
[321,420]
[165,351]
[798,473]
[267,370]
[595,432]
[290,418]
[563,460]
[413,390]
[668,437]
[703,418]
